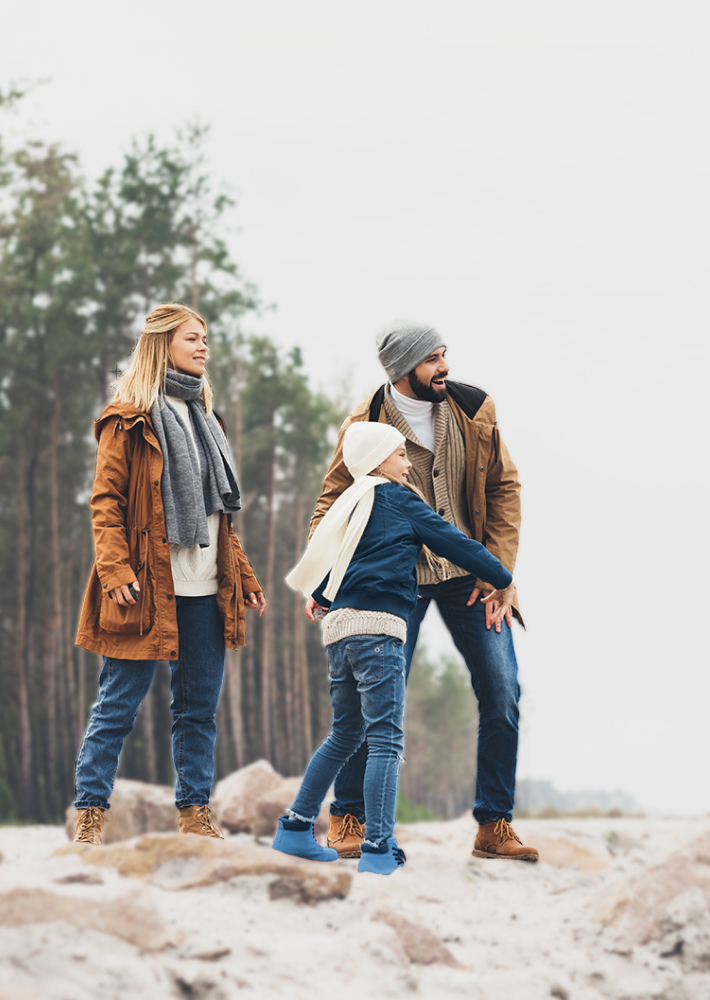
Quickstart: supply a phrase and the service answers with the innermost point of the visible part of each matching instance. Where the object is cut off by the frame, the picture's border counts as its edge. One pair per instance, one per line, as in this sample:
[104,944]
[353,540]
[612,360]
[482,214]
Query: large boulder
[235,797]
[273,804]
[136,807]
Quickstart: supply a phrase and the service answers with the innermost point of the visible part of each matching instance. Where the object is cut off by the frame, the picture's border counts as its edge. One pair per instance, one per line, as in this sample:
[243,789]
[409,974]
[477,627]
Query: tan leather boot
[499,840]
[346,834]
[89,825]
[199,820]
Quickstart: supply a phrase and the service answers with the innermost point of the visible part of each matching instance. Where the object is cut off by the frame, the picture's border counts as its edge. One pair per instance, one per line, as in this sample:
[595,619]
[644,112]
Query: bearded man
[463,469]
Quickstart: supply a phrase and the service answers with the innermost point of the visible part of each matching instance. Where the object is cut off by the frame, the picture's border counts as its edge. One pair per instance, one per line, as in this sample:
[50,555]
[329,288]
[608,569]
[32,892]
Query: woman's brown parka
[131,544]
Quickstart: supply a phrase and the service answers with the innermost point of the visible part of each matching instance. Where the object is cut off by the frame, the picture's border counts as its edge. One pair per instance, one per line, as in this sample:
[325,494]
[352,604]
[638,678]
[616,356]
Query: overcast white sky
[533,180]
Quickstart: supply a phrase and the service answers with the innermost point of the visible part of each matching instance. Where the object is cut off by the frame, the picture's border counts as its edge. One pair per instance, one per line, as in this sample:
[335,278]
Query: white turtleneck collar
[419,414]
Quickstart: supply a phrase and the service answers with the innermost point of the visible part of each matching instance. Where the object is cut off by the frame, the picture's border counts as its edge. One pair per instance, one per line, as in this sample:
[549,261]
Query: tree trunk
[71,729]
[267,632]
[81,653]
[53,632]
[150,769]
[26,769]
[234,701]
[222,746]
[302,699]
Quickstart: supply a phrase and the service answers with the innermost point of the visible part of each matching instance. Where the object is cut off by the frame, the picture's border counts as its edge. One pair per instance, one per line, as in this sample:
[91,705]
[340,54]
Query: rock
[134,921]
[273,804]
[211,955]
[235,797]
[136,807]
[379,941]
[584,853]
[638,907]
[180,861]
[306,890]
[685,924]
[420,945]
[83,878]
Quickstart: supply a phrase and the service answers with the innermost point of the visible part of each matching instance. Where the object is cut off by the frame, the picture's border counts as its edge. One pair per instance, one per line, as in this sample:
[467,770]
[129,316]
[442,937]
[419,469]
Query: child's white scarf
[335,539]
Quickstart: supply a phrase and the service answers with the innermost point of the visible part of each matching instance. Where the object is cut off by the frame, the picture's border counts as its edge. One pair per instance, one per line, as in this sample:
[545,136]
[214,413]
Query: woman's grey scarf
[192,489]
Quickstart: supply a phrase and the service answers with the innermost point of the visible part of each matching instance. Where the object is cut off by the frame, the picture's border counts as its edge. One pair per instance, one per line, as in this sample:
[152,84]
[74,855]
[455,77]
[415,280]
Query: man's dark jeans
[490,658]
[195,680]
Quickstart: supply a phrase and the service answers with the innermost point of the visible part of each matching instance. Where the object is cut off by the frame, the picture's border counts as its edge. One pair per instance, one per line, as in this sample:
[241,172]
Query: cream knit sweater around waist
[195,569]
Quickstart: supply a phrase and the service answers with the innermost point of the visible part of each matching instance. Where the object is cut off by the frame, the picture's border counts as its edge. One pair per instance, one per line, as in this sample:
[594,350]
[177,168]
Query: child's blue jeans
[367,685]
[195,680]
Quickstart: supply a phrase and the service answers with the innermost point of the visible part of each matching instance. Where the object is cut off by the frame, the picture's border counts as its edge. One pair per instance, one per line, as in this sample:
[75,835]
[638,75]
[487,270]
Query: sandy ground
[490,930]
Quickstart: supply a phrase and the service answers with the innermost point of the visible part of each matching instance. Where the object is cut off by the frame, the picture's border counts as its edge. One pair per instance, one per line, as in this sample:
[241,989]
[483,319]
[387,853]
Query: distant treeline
[81,263]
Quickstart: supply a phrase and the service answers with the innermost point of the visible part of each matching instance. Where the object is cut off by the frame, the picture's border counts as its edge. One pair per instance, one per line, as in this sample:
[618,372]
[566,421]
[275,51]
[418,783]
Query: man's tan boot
[89,825]
[346,834]
[199,820]
[499,840]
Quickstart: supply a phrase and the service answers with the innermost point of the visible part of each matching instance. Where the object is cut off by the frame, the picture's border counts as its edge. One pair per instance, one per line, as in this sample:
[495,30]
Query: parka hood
[128,414]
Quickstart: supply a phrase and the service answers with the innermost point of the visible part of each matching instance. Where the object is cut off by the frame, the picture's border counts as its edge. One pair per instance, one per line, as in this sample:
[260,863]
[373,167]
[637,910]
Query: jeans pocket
[367,658]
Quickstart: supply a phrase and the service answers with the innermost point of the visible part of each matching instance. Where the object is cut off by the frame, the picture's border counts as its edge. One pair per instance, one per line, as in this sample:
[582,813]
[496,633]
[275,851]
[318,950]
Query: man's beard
[429,393]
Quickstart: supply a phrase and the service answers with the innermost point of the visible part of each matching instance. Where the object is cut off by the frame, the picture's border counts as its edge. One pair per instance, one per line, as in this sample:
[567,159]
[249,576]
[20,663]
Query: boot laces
[90,822]
[350,825]
[203,815]
[505,832]
[399,856]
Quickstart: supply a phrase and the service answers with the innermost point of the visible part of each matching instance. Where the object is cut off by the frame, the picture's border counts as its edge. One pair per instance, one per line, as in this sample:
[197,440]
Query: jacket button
[155,482]
[441,511]
[481,469]
[170,597]
[435,472]
[165,539]
[478,512]
[173,653]
[105,586]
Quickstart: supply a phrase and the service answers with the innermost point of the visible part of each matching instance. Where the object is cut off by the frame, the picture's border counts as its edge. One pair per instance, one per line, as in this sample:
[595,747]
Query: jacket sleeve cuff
[250,585]
[116,578]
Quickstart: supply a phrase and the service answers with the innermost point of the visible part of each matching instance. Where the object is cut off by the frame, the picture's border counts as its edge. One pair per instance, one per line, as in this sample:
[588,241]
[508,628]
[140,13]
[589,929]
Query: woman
[171,580]
[368,546]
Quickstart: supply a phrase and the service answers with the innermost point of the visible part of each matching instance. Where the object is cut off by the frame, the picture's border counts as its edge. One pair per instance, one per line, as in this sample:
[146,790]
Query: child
[367,547]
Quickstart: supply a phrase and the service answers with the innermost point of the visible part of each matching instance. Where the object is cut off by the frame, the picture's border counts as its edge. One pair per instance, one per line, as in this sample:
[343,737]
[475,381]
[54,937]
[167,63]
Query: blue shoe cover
[383,860]
[297,838]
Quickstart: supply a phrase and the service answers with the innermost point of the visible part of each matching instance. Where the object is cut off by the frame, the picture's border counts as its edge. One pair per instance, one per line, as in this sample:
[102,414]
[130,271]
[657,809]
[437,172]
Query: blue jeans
[367,681]
[490,658]
[195,681]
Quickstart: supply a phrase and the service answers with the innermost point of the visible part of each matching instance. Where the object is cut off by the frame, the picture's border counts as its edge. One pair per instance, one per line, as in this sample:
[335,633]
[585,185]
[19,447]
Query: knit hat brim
[404,344]
[367,443]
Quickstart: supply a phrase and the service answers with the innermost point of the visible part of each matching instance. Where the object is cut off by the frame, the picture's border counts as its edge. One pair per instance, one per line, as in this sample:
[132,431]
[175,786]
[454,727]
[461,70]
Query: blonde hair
[144,378]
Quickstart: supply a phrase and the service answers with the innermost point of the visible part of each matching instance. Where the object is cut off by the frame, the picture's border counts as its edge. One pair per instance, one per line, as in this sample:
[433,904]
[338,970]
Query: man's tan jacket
[492,485]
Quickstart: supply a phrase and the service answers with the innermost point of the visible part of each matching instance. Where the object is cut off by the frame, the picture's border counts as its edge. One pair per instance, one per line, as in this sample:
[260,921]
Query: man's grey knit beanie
[404,344]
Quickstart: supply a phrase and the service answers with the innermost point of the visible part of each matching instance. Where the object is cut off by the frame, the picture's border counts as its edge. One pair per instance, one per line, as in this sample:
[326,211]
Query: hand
[122,595]
[310,607]
[256,600]
[500,602]
[498,605]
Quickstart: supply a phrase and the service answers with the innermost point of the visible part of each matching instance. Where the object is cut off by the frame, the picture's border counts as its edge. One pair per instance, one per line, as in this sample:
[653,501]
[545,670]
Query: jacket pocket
[132,619]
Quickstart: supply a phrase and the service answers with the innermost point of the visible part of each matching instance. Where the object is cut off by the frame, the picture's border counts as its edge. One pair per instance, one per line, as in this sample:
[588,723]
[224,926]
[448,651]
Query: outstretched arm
[447,541]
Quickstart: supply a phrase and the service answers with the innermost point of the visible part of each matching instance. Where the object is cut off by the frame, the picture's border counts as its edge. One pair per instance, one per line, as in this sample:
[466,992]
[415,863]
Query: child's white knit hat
[367,443]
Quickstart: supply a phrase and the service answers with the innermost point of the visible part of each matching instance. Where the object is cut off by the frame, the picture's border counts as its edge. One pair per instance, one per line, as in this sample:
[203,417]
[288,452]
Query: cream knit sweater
[195,569]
